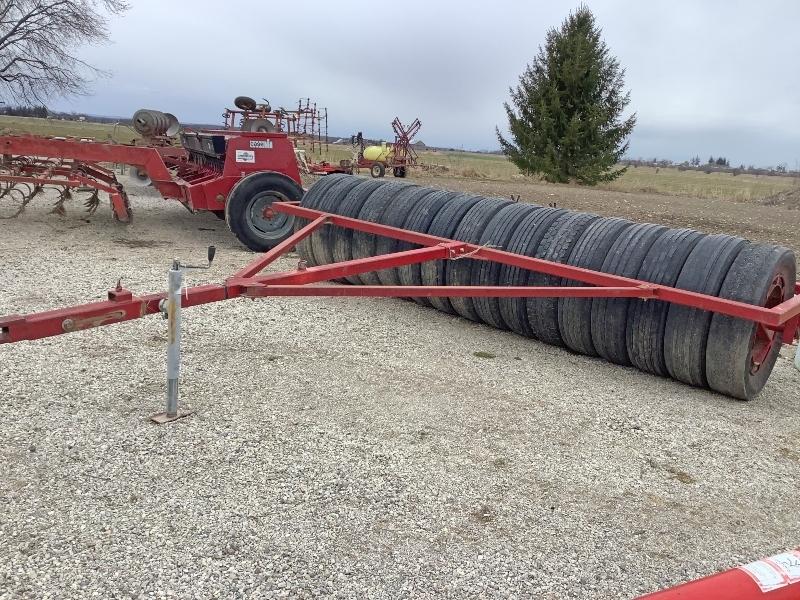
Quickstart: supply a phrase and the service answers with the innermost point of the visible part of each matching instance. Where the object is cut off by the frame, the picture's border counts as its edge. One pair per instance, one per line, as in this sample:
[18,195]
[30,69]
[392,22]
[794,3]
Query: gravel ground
[353,448]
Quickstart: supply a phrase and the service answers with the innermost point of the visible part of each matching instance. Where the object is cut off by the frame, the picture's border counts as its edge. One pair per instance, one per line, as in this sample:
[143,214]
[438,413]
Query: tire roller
[398,215]
[420,220]
[727,354]
[443,224]
[498,233]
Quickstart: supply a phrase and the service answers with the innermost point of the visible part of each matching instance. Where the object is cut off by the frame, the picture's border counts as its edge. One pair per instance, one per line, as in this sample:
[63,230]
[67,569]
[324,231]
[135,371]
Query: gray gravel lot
[353,448]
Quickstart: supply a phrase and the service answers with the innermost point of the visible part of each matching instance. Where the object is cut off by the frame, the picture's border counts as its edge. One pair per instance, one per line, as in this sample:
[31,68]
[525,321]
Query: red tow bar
[773,578]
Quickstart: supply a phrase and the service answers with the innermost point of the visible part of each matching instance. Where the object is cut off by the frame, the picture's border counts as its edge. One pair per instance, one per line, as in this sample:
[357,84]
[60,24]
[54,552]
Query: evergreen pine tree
[566,121]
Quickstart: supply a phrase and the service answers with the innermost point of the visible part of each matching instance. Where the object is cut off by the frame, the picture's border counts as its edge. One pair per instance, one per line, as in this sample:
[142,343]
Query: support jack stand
[171,309]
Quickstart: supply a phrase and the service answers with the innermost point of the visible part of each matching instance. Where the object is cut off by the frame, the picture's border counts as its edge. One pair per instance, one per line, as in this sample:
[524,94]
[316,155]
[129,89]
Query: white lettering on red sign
[775,572]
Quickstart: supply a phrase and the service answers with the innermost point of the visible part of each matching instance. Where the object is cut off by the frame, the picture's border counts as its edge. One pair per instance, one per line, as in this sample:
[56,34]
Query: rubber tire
[363,244]
[350,207]
[575,314]
[420,219]
[486,272]
[443,225]
[396,216]
[240,199]
[311,199]
[322,239]
[686,330]
[556,246]
[609,315]
[647,319]
[525,241]
[377,170]
[459,272]
[399,171]
[730,340]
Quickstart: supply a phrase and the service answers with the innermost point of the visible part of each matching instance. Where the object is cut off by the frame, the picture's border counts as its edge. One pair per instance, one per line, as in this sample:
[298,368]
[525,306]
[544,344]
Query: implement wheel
[248,213]
[740,354]
[377,170]
[399,171]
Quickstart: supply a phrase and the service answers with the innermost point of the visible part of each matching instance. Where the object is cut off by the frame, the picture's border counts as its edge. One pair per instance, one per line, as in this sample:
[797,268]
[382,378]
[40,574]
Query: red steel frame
[122,305]
[197,187]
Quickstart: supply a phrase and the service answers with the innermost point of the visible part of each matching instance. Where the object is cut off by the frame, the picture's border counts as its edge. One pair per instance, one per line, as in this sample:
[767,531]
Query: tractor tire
[397,216]
[443,225]
[556,246]
[363,244]
[322,239]
[686,329]
[246,204]
[575,314]
[313,197]
[525,241]
[486,272]
[739,358]
[420,219]
[459,272]
[609,315]
[377,170]
[350,207]
[647,319]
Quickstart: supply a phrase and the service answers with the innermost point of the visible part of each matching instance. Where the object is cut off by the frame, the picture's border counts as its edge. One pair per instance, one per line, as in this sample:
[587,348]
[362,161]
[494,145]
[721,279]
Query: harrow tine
[92,202]
[11,190]
[63,196]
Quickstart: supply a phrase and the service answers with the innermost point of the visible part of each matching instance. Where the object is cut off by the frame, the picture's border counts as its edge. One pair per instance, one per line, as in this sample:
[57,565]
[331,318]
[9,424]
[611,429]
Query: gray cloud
[705,78]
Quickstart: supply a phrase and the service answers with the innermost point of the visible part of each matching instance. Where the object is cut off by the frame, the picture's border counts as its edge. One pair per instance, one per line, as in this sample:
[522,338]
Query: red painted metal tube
[774,578]
[121,306]
[354,267]
[258,265]
[404,291]
[775,317]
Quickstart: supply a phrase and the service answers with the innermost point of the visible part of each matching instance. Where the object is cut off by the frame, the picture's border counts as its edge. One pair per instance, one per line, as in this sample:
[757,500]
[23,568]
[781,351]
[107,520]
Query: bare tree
[38,43]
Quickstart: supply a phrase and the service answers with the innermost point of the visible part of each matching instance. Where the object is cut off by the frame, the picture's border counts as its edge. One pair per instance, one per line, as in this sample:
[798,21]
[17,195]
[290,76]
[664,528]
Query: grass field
[670,181]
[472,165]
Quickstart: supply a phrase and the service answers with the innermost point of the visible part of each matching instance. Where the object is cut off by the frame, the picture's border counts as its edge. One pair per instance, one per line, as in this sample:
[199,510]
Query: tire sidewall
[239,202]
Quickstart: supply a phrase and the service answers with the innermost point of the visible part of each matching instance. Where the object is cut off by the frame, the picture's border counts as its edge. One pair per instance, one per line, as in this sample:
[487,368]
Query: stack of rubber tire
[687,344]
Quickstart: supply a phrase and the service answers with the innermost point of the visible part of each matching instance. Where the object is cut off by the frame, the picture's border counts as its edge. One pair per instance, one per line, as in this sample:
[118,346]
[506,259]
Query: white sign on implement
[776,571]
[265,144]
[245,156]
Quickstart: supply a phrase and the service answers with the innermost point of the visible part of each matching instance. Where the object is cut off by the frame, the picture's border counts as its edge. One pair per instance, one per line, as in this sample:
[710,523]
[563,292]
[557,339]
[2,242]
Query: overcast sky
[714,77]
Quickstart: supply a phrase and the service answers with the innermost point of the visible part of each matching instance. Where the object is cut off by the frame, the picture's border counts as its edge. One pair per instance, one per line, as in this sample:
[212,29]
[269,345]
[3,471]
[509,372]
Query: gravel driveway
[353,448]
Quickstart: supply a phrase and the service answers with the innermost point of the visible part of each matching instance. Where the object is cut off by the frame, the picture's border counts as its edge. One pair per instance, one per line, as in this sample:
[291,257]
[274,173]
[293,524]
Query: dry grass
[473,165]
[56,127]
[696,184]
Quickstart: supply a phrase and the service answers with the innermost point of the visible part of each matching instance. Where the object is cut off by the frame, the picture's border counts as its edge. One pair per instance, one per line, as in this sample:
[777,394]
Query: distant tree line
[24,111]
[714,165]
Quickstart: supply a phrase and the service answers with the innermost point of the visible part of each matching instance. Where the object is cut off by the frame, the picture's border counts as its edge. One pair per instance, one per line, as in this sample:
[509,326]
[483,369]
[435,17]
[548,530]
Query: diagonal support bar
[273,254]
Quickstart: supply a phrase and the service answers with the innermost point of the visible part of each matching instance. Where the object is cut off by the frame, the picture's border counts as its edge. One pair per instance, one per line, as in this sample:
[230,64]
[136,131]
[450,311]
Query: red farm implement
[235,175]
[399,156]
[249,281]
